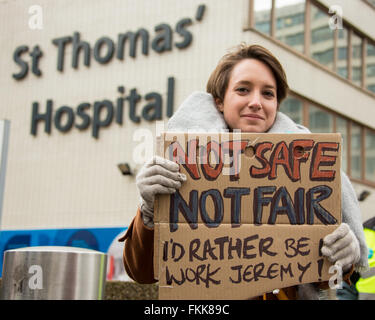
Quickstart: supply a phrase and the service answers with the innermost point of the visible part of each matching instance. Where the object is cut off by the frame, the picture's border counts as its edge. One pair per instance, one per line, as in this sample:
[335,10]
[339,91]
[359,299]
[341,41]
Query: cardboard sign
[251,216]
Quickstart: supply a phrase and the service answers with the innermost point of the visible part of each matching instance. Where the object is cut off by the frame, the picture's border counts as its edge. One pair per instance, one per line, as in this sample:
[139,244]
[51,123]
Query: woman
[244,93]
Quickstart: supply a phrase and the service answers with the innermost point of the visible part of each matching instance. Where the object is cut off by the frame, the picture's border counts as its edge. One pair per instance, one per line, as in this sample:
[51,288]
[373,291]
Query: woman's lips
[252,116]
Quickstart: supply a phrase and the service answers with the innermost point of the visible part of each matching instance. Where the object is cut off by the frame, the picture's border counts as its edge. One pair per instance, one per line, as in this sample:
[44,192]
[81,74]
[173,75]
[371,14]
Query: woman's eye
[242,90]
[269,94]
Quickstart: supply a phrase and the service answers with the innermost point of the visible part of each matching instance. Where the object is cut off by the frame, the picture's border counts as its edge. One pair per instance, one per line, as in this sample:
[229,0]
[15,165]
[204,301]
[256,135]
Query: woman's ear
[219,105]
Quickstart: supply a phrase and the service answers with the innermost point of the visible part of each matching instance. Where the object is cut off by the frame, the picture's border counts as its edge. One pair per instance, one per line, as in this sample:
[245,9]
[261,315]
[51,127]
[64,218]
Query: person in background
[244,92]
[366,283]
[348,290]
[362,285]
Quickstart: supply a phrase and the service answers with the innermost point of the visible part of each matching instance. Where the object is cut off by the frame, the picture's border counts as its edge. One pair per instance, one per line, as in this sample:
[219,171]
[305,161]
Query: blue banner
[98,239]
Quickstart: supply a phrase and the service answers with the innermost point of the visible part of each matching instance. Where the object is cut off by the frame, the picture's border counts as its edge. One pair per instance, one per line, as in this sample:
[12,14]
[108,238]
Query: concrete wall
[68,179]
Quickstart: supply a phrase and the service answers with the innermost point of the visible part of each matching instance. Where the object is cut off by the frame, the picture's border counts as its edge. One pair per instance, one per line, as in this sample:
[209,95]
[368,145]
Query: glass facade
[372,2]
[262,16]
[322,38]
[342,127]
[357,59]
[339,50]
[320,120]
[290,23]
[370,156]
[342,53]
[329,47]
[370,67]
[356,151]
[293,108]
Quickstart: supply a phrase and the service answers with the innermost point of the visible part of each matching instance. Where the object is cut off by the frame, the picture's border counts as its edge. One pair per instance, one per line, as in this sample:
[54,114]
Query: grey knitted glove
[157,176]
[341,247]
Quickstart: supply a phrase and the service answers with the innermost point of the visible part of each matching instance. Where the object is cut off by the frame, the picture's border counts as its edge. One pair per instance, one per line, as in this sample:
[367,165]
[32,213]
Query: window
[342,127]
[372,2]
[320,121]
[293,108]
[290,23]
[370,156]
[262,15]
[322,38]
[311,35]
[358,142]
[342,53]
[356,151]
[370,67]
[357,59]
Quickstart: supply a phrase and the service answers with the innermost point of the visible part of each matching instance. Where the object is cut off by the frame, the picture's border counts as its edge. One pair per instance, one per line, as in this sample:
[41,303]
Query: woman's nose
[255,101]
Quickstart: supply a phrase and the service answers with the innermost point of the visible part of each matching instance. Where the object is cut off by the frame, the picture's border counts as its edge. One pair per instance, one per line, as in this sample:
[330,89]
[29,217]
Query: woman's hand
[342,247]
[157,176]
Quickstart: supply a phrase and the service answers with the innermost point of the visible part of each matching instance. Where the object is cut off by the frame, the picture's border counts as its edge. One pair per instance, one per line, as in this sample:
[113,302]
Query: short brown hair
[218,82]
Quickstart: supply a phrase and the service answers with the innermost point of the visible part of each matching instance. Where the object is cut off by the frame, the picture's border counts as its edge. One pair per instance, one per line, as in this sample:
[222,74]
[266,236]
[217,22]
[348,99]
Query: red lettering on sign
[189,160]
[298,153]
[280,156]
[320,159]
[260,150]
[211,173]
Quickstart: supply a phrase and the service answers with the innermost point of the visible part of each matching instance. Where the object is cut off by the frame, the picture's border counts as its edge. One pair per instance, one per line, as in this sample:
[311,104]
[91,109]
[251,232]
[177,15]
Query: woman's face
[250,102]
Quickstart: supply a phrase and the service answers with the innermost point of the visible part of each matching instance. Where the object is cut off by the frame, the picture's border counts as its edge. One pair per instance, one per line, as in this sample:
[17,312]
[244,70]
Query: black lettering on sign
[286,270]
[264,245]
[193,248]
[218,208]
[296,247]
[314,208]
[235,194]
[282,196]
[247,247]
[260,201]
[303,270]
[234,247]
[201,274]
[190,212]
[220,242]
[256,272]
